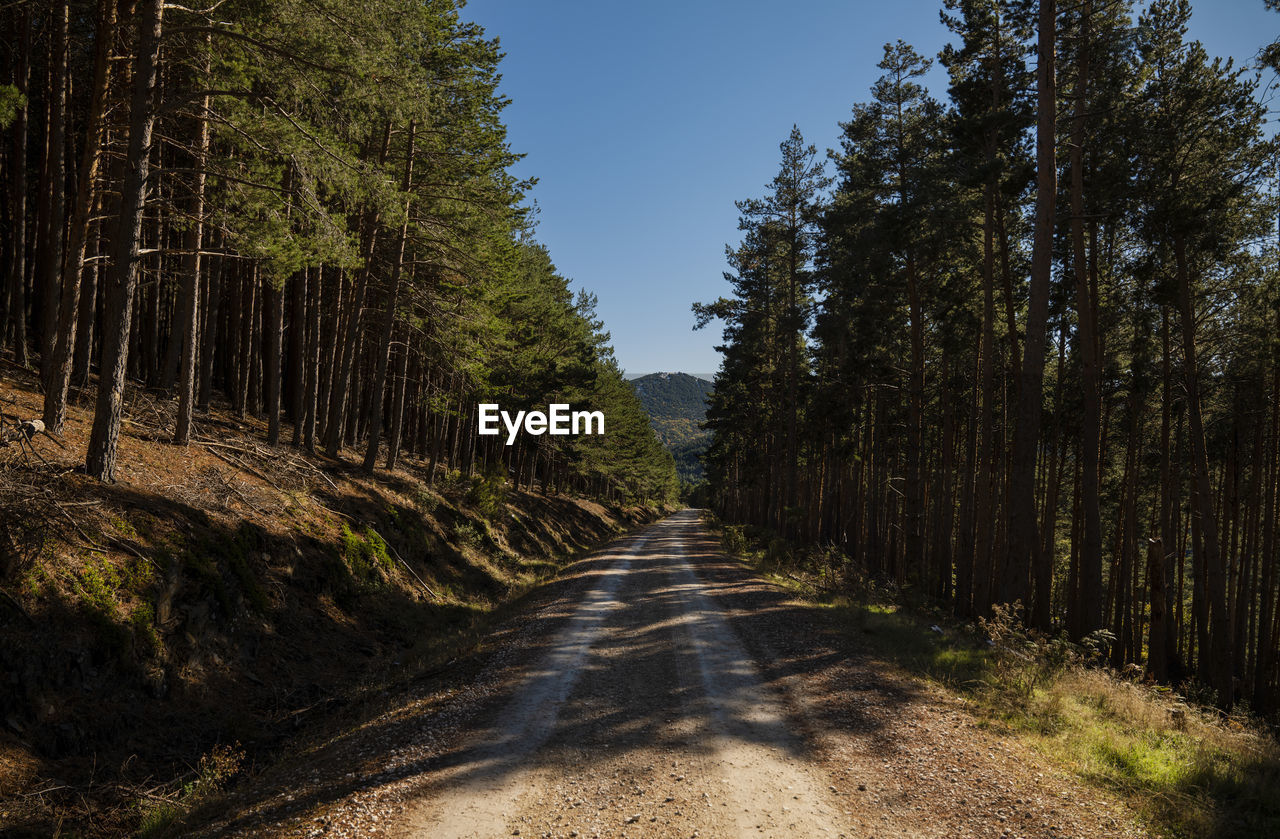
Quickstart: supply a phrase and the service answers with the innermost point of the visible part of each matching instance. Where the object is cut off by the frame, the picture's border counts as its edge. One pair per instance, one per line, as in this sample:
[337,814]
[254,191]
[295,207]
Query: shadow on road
[660,641]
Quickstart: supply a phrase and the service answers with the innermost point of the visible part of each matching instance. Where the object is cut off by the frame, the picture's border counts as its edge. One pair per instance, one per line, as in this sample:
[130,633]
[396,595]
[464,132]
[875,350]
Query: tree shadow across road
[670,647]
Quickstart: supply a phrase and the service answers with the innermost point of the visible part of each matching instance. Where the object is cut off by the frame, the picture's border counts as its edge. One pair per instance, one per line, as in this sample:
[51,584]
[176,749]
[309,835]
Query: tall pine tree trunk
[18,187]
[59,381]
[217,272]
[383,345]
[985,480]
[1265,665]
[122,279]
[1088,615]
[401,384]
[188,314]
[274,338]
[297,351]
[55,200]
[1219,654]
[1022,536]
[315,287]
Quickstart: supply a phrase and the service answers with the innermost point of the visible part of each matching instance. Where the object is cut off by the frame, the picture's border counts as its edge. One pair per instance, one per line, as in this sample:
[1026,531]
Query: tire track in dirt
[645,717]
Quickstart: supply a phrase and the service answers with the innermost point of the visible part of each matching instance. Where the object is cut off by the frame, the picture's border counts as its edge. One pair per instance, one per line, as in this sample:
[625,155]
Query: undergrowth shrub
[425,501]
[163,817]
[1022,660]
[733,540]
[466,533]
[488,494]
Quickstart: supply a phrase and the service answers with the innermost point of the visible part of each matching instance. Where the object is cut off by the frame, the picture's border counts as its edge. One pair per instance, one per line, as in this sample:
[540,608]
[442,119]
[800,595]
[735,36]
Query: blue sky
[645,121]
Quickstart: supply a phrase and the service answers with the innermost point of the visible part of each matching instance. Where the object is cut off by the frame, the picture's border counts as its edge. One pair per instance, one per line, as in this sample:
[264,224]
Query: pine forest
[303,208]
[1021,344]
[334,502]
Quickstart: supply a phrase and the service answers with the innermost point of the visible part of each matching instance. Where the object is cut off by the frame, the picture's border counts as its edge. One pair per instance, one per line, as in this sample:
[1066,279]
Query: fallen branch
[88,541]
[239,464]
[117,542]
[406,565]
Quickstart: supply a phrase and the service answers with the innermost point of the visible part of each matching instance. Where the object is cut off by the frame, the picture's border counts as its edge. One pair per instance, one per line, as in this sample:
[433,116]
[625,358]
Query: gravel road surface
[660,689]
[645,716]
[681,697]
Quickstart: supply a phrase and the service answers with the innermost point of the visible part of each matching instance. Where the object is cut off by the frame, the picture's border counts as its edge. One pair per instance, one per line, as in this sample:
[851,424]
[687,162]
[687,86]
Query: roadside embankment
[168,632]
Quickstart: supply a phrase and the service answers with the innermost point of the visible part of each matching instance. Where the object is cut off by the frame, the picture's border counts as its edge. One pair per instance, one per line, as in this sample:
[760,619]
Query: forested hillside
[304,208]
[261,261]
[677,405]
[1020,341]
[673,394]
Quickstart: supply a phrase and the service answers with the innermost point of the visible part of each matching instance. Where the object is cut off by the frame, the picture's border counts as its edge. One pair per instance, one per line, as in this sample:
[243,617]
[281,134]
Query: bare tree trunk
[914,501]
[1022,537]
[383,345]
[944,504]
[1263,698]
[400,383]
[101,459]
[315,287]
[248,313]
[1219,655]
[18,183]
[188,315]
[985,480]
[967,524]
[274,338]
[83,359]
[215,282]
[1041,615]
[297,377]
[59,378]
[50,273]
[1090,601]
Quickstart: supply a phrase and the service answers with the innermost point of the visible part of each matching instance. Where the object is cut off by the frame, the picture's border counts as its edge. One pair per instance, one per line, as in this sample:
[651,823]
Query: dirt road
[645,714]
[659,689]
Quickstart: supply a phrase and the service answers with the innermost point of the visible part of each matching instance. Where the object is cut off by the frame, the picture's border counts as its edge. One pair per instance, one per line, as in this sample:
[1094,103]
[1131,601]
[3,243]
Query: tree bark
[189,299]
[383,345]
[274,338]
[1089,617]
[315,287]
[18,184]
[59,380]
[207,353]
[1219,654]
[50,264]
[297,377]
[1022,537]
[400,384]
[122,279]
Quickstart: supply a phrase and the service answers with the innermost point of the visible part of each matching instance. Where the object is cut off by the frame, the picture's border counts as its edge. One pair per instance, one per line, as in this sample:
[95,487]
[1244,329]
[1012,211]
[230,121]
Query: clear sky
[645,121]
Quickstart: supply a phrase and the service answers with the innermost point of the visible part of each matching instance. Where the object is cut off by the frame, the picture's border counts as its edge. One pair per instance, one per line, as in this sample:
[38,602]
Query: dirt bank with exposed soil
[231,599]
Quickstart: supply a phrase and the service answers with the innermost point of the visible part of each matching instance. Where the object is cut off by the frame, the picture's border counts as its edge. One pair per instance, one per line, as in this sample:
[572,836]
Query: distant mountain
[706,377]
[677,404]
